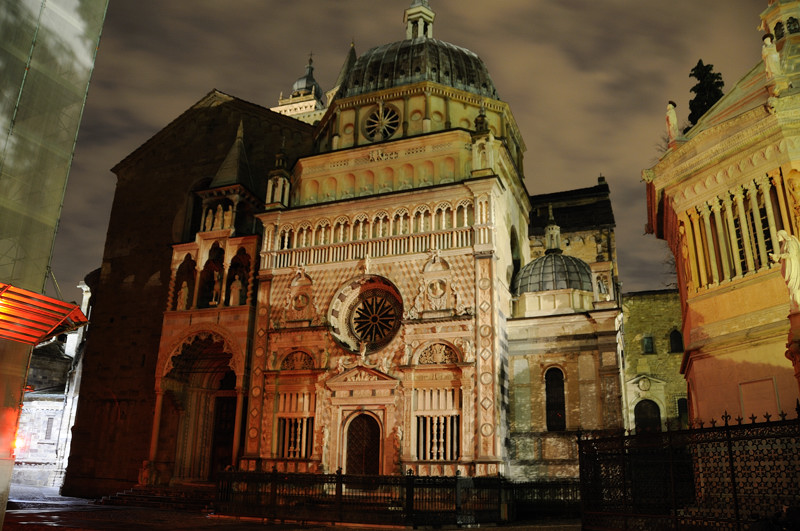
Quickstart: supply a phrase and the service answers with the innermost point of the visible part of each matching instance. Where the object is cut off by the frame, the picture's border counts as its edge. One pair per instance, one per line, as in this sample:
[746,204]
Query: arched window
[647,416]
[675,341]
[555,403]
[792,26]
[779,31]
[683,413]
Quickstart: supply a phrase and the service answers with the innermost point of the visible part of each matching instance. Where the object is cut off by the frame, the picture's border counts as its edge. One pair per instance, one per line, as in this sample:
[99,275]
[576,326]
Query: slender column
[156,425]
[712,254]
[447,122]
[782,203]
[356,128]
[426,122]
[699,253]
[721,238]
[764,185]
[197,272]
[691,260]
[757,227]
[270,185]
[223,288]
[744,227]
[735,256]
[405,115]
[237,426]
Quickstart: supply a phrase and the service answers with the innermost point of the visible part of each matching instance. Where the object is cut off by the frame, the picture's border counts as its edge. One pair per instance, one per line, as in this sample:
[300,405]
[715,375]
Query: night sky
[587,82]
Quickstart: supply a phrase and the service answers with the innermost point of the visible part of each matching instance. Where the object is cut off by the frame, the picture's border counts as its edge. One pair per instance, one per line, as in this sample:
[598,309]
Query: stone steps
[192,499]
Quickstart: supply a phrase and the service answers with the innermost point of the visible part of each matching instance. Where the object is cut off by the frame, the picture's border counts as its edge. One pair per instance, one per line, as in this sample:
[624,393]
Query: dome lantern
[419,20]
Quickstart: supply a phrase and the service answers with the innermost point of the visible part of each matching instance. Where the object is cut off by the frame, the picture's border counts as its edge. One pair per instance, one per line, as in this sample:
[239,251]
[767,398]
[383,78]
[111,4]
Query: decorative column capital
[715,206]
[704,210]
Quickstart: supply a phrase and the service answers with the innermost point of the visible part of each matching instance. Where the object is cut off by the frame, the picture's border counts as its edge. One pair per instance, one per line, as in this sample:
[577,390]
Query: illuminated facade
[719,196]
[338,296]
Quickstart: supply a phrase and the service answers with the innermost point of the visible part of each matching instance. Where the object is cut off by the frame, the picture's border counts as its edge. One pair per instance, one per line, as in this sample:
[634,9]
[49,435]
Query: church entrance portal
[363,446]
[222,445]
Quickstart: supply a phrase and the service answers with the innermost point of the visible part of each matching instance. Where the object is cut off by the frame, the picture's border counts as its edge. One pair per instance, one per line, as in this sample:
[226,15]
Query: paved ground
[32,508]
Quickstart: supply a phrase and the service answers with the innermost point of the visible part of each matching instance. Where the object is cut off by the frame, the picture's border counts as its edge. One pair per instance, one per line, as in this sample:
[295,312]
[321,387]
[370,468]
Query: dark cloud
[587,82]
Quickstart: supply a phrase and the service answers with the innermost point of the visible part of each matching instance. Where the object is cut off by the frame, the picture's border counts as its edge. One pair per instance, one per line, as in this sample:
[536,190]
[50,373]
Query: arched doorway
[204,387]
[647,416]
[363,446]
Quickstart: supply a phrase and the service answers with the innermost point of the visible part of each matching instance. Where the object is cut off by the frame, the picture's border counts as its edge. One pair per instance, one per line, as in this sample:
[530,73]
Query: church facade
[346,296]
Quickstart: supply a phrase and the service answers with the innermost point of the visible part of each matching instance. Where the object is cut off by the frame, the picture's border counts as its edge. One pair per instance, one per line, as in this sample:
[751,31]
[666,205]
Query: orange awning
[28,317]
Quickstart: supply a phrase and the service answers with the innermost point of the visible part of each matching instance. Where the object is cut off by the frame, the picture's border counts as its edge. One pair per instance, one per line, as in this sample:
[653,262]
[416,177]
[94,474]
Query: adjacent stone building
[654,390]
[345,296]
[563,333]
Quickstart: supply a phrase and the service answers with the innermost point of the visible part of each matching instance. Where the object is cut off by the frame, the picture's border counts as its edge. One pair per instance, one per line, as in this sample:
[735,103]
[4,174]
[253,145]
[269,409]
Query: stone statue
[789,256]
[218,218]
[236,291]
[217,288]
[183,296]
[209,220]
[672,122]
[227,218]
[772,61]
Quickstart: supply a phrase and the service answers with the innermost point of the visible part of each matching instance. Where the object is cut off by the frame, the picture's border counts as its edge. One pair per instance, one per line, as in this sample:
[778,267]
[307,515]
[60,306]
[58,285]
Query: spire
[349,61]
[552,233]
[419,20]
[234,169]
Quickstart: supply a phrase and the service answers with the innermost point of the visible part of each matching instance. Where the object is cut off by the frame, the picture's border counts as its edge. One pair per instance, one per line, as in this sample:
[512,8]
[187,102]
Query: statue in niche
[236,291]
[183,296]
[217,289]
[458,305]
[227,218]
[672,121]
[602,288]
[209,220]
[218,218]
[789,256]
[793,185]
[419,301]
[772,61]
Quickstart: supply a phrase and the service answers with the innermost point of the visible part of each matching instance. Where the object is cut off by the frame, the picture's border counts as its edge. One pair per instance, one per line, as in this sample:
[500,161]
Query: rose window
[374,317]
[365,314]
[382,123]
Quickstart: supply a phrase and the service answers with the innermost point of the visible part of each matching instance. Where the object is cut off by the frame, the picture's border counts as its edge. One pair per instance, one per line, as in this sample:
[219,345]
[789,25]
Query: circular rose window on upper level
[366,311]
[382,123]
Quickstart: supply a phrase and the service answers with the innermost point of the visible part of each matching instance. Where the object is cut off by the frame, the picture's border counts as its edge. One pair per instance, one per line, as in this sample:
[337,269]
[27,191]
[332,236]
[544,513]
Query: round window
[374,317]
[382,123]
[365,314]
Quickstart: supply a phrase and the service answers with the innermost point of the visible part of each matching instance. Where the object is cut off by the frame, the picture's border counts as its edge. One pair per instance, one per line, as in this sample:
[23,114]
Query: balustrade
[388,246]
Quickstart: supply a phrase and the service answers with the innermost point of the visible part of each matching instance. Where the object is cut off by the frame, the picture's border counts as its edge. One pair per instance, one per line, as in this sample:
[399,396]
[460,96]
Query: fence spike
[739,420]
[713,422]
[767,416]
[797,408]
[726,417]
[782,415]
[752,419]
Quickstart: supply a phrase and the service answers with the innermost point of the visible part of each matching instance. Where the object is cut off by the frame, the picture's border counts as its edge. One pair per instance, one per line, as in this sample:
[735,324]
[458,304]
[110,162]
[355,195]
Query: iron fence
[393,500]
[726,476]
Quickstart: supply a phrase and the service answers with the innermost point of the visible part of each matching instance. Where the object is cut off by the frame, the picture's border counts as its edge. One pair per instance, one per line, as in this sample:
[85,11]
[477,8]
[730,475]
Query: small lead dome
[554,271]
